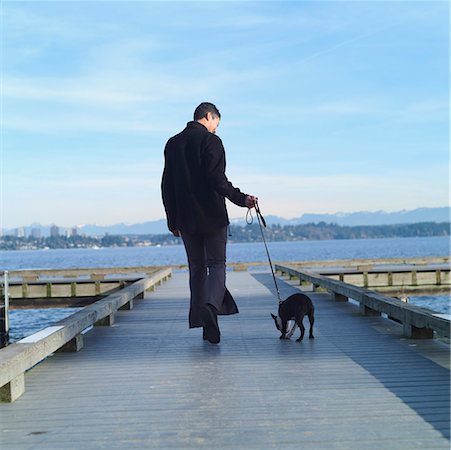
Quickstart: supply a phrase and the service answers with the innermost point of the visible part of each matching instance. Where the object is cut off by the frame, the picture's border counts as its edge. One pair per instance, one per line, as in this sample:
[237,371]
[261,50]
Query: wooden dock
[148,382]
[396,280]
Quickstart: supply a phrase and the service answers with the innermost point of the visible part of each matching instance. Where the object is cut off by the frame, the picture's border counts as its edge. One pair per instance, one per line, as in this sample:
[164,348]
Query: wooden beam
[16,358]
[407,314]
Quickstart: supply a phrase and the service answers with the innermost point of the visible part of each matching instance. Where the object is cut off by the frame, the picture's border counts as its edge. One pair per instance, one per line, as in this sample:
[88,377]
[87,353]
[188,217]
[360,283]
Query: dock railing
[418,323]
[66,335]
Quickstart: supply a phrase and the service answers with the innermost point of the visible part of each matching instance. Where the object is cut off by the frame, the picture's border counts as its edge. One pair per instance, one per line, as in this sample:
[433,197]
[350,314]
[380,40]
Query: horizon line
[230,218]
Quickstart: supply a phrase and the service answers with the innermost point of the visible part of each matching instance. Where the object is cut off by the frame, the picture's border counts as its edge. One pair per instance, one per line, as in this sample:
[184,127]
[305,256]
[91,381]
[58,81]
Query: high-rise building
[20,232]
[54,231]
[74,231]
[36,233]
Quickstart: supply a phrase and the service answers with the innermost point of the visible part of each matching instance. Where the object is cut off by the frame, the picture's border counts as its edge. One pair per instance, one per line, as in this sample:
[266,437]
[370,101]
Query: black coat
[194,185]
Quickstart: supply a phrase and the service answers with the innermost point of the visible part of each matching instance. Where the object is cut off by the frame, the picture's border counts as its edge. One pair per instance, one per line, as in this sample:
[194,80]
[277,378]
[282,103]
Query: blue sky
[326,106]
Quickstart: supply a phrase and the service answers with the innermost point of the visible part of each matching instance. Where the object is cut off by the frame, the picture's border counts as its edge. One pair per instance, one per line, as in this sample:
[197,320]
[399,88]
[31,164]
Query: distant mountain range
[351,219]
[366,217]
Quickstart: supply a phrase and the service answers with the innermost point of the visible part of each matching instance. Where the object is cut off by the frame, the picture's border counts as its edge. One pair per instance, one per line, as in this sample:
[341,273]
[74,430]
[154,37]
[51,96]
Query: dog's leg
[301,326]
[291,332]
[311,318]
[284,329]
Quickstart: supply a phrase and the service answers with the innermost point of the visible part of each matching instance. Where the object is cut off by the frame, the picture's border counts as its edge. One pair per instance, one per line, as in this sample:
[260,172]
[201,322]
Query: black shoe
[204,336]
[211,328]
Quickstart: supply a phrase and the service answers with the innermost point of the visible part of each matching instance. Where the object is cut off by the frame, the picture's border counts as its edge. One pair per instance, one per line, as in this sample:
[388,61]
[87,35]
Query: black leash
[262,221]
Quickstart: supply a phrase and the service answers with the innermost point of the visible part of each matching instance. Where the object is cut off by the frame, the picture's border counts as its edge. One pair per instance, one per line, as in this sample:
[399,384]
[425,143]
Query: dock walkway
[149,382]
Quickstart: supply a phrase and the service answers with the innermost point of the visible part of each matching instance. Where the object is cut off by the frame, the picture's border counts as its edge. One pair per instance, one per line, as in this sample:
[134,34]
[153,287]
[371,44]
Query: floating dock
[148,382]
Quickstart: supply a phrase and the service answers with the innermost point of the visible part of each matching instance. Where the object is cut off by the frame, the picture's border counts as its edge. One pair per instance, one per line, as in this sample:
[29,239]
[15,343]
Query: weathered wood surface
[44,288]
[18,357]
[92,272]
[359,264]
[57,293]
[96,272]
[417,321]
[401,279]
[149,382]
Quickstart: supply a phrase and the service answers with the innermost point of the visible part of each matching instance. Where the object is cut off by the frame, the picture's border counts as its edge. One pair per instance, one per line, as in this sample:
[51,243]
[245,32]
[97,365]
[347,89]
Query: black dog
[295,307]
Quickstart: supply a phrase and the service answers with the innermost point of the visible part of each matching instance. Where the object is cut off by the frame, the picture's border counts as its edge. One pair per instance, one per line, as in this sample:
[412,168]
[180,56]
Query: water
[25,322]
[239,252]
[437,303]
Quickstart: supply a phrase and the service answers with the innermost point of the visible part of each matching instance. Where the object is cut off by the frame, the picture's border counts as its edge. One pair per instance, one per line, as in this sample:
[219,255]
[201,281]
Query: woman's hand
[250,201]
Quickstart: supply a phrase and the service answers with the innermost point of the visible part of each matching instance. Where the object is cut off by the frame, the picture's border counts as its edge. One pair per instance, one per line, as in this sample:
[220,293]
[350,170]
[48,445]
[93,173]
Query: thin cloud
[71,91]
[326,105]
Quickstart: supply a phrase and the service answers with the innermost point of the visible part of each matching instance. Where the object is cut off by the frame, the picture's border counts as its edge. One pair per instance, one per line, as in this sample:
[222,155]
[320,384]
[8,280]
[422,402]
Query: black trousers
[207,273]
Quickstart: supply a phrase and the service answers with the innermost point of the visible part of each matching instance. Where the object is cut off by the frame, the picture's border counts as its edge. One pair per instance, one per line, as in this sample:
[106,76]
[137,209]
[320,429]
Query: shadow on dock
[420,383]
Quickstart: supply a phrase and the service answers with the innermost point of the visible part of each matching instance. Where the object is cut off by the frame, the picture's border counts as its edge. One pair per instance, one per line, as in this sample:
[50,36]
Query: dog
[295,307]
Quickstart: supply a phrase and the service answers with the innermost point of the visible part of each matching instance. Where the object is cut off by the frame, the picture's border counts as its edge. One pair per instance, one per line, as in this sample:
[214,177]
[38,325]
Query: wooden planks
[16,358]
[395,279]
[149,382]
[418,322]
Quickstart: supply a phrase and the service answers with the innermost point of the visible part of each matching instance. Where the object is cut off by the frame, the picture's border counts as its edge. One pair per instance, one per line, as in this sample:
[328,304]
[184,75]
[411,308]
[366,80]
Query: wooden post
[105,322]
[4,338]
[129,305]
[365,279]
[4,319]
[74,345]
[339,297]
[11,391]
[412,332]
[438,277]
[389,278]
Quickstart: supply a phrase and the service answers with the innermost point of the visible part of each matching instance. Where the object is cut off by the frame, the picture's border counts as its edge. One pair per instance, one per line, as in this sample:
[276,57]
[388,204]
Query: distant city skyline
[326,106]
[158,226]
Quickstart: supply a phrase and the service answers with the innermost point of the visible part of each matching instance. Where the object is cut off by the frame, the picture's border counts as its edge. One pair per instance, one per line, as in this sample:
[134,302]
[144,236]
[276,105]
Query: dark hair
[204,108]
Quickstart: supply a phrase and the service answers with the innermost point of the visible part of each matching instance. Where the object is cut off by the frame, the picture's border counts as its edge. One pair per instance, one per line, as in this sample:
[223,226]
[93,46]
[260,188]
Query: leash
[262,223]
